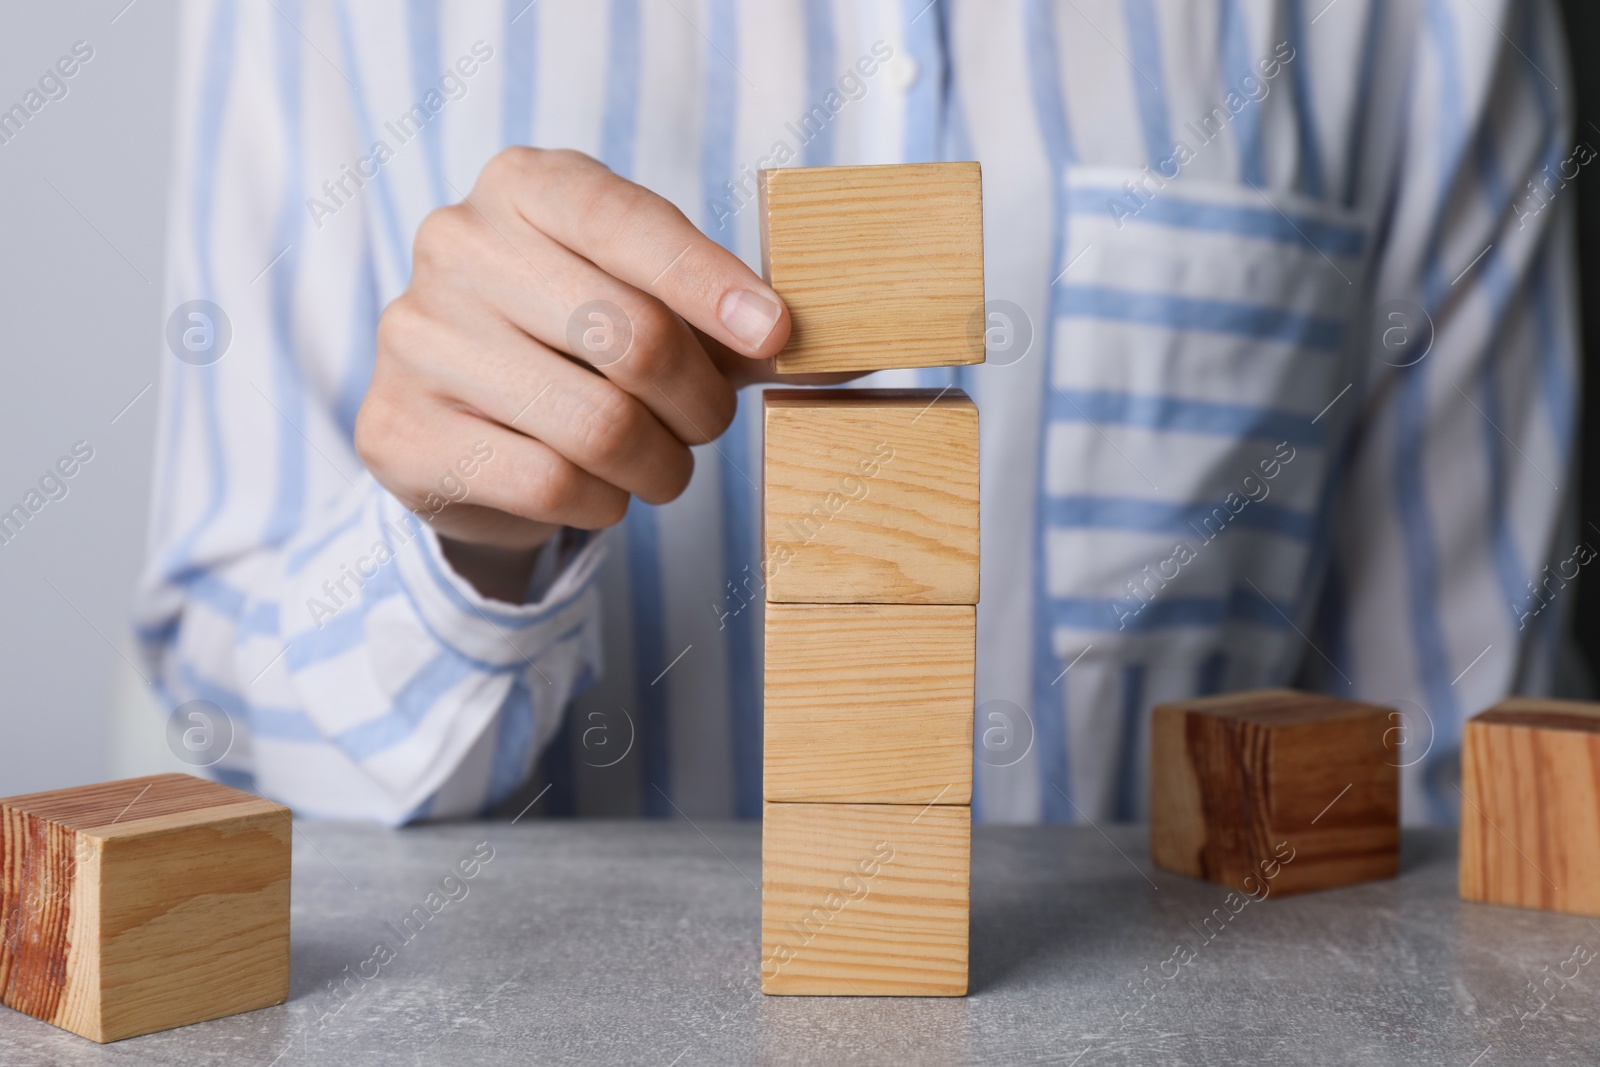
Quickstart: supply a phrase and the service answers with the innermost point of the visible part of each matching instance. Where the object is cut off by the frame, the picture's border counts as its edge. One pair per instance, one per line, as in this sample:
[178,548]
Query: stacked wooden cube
[870,538]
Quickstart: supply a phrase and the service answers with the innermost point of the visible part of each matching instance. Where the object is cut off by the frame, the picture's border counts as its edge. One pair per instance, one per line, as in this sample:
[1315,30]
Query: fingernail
[749,316]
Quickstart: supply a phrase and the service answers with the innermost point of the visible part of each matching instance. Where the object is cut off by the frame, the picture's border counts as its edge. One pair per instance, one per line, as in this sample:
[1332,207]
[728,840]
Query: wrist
[497,573]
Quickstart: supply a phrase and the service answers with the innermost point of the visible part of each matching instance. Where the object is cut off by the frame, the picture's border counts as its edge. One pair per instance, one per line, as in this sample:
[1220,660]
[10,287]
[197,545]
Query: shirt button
[901,72]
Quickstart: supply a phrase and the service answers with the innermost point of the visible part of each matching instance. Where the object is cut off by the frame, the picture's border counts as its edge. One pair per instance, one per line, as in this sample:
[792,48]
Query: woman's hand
[566,336]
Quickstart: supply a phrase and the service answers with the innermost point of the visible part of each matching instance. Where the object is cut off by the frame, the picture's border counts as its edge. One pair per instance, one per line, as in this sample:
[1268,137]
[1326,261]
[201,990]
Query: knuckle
[608,425]
[547,490]
[564,159]
[612,507]
[616,207]
[376,423]
[668,483]
[550,170]
[441,235]
[655,336]
[682,473]
[723,403]
[509,166]
[397,327]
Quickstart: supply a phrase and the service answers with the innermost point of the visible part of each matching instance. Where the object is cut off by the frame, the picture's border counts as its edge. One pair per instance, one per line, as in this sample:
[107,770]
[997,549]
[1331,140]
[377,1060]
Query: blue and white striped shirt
[1282,388]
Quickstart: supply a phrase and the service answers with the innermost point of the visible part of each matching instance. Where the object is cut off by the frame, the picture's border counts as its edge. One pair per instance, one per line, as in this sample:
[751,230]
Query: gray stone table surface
[638,943]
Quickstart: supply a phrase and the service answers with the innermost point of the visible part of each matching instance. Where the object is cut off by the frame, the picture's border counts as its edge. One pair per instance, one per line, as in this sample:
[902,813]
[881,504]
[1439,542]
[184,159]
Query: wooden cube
[870,703]
[880,266]
[1530,811]
[865,899]
[871,496]
[144,904]
[1275,791]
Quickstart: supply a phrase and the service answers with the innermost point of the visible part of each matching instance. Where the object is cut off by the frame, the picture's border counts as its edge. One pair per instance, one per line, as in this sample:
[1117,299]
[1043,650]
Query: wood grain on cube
[870,703]
[1239,782]
[865,899]
[871,496]
[144,904]
[1530,812]
[880,266]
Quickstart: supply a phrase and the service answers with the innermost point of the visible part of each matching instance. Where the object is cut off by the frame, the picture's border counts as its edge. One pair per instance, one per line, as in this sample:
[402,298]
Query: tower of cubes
[870,543]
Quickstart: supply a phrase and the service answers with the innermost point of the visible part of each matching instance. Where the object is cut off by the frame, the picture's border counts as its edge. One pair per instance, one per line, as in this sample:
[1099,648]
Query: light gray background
[84,188]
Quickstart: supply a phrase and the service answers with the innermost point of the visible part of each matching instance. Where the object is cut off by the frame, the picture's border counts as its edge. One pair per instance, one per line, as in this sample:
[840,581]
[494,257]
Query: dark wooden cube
[1275,791]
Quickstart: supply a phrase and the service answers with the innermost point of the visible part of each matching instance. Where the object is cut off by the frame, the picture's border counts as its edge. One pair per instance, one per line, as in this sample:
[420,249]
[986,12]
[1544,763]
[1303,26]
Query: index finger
[642,239]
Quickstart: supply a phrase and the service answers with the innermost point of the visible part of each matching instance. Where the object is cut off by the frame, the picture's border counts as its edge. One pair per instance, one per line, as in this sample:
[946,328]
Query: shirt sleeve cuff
[491,631]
